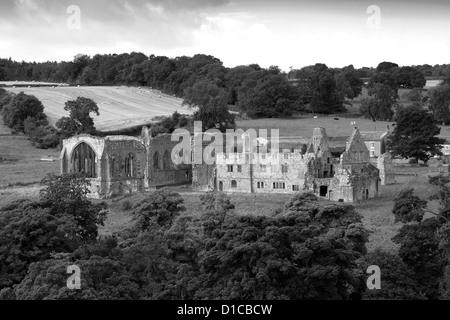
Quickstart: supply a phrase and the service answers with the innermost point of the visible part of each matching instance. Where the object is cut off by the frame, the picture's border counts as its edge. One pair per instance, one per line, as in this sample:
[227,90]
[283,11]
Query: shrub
[21,107]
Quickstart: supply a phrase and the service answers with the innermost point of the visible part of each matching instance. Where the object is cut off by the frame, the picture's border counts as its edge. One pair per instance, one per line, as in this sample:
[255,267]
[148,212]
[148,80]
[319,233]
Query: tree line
[255,91]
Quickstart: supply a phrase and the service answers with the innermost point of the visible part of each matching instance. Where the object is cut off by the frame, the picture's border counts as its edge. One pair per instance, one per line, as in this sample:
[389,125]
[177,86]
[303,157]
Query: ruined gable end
[356,150]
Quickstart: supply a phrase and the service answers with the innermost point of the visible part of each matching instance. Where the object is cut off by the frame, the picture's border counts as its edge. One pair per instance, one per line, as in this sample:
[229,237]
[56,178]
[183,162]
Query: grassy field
[20,163]
[120,107]
[304,126]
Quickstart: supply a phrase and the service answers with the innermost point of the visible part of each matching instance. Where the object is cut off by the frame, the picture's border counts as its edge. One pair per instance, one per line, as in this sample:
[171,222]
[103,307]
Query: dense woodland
[306,250]
[255,91]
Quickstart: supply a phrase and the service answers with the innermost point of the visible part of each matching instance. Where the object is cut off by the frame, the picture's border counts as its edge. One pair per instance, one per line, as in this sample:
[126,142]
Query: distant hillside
[120,107]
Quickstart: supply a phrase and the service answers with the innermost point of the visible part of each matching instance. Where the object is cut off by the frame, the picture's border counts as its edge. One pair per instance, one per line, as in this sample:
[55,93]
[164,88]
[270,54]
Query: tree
[379,106]
[398,280]
[104,276]
[386,67]
[215,115]
[30,233]
[165,259]
[440,103]
[21,107]
[419,249]
[424,243]
[348,82]
[162,206]
[215,210]
[383,78]
[415,135]
[80,110]
[415,96]
[2,74]
[408,207]
[318,88]
[61,220]
[88,76]
[69,126]
[212,106]
[234,79]
[305,252]
[5,98]
[66,195]
[267,93]
[409,77]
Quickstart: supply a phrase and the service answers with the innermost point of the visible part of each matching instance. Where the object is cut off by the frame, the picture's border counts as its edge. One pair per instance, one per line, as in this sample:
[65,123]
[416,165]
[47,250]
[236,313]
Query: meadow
[21,167]
[120,107]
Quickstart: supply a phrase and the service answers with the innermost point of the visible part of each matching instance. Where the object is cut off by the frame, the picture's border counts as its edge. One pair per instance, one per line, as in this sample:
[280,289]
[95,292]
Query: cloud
[283,33]
[40,26]
[101,10]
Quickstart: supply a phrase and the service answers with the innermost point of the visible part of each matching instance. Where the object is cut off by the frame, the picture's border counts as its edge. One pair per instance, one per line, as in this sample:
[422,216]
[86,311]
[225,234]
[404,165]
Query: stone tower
[320,143]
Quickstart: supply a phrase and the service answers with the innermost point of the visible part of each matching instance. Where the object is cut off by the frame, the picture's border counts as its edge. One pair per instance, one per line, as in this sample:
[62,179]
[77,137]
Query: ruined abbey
[118,165]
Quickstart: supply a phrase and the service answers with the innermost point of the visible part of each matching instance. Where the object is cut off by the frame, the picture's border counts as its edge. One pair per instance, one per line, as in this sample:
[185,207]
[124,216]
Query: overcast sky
[284,33]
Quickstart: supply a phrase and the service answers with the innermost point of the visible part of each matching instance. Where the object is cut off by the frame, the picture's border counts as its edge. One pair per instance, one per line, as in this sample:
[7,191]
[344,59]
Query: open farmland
[305,125]
[120,107]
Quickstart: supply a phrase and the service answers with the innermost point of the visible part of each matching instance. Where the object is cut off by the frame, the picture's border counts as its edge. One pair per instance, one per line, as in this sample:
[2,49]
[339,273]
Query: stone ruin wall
[114,180]
[247,180]
[165,173]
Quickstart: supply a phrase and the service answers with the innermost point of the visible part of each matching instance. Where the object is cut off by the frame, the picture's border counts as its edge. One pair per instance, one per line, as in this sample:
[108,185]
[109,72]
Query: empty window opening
[84,160]
[112,166]
[323,191]
[279,185]
[130,165]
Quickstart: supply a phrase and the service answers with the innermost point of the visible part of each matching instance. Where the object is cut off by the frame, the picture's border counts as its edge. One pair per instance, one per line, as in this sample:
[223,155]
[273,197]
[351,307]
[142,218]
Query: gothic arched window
[84,160]
[112,166]
[130,165]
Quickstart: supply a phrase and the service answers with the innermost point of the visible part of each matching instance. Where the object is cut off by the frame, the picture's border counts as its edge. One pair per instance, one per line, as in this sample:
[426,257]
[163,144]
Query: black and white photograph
[223,155]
